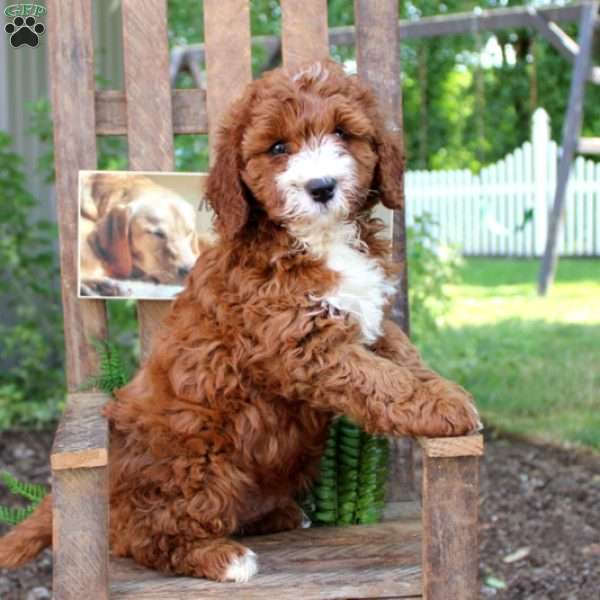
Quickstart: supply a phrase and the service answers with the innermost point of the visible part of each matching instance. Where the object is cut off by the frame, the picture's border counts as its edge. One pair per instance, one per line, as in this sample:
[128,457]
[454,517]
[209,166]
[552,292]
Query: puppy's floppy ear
[112,238]
[225,190]
[389,181]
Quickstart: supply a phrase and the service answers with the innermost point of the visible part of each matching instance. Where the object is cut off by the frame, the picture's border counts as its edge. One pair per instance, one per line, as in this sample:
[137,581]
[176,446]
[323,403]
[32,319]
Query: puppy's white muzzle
[318,180]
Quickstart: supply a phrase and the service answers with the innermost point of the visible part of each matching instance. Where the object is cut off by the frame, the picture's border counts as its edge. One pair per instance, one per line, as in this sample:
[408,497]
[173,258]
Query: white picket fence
[503,211]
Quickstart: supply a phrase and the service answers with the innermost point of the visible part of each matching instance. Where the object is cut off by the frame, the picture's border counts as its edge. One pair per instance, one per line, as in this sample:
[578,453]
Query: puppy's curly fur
[281,326]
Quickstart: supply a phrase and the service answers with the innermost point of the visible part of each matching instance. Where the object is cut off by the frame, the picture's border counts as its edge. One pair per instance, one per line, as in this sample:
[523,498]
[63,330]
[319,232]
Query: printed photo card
[140,233]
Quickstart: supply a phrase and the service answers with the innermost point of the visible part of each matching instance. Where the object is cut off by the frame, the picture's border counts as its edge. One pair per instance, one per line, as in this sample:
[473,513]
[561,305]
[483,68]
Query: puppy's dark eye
[159,233]
[277,148]
[341,133]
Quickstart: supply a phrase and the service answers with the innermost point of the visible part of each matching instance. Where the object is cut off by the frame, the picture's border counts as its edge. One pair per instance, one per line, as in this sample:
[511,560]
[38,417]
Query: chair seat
[363,561]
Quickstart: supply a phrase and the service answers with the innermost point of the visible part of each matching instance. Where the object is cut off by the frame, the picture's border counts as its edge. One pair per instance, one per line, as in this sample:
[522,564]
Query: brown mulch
[540,521]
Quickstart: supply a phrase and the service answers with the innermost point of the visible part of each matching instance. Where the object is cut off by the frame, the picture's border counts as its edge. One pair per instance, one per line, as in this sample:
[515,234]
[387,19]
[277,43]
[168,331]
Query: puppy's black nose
[322,189]
[183,271]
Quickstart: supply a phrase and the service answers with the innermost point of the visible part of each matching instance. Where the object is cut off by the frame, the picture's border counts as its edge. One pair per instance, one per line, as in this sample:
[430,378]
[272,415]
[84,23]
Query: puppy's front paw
[444,409]
[242,568]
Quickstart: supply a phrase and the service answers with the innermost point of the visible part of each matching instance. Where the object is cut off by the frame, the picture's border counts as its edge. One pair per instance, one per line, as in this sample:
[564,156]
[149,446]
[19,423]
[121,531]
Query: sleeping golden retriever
[133,228]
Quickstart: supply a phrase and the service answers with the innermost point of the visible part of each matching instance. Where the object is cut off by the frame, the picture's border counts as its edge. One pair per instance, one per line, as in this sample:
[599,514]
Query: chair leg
[450,527]
[80,533]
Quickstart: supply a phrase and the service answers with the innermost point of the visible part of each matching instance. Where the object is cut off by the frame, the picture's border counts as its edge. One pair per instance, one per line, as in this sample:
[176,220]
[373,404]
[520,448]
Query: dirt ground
[540,521]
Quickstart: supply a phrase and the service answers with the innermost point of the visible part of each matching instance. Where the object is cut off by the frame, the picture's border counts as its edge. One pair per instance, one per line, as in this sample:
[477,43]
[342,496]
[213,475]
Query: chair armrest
[81,439]
[452,447]
[450,508]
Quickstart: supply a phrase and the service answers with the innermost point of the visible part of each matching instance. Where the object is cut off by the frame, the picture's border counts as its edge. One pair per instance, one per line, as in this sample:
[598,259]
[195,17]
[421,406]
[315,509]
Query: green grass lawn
[533,364]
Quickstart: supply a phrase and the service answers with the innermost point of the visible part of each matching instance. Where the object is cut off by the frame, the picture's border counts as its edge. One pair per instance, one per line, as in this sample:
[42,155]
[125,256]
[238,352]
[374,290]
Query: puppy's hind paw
[242,568]
[306,522]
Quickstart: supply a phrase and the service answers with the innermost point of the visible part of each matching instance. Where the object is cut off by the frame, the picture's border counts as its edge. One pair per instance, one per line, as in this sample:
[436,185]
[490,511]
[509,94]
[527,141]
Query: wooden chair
[403,557]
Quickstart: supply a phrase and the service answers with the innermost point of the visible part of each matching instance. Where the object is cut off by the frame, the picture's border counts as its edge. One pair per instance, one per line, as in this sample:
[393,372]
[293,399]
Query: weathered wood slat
[561,41]
[80,533]
[378,561]
[71,56]
[80,509]
[378,61]
[228,58]
[468,445]
[450,528]
[149,113]
[81,439]
[405,510]
[189,112]
[304,31]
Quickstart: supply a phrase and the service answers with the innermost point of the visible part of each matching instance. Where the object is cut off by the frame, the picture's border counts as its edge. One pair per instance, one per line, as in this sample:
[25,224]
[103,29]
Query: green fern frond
[31,491]
[112,373]
[13,516]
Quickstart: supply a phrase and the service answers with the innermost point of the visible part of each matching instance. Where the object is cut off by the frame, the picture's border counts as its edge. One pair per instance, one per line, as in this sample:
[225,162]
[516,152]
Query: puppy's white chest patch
[363,290]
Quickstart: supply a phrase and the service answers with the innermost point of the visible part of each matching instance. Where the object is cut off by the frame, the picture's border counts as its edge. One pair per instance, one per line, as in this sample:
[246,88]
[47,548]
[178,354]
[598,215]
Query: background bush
[31,341]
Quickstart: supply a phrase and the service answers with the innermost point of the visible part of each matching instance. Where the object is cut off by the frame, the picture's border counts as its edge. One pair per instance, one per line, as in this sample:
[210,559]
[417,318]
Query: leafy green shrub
[431,266]
[31,342]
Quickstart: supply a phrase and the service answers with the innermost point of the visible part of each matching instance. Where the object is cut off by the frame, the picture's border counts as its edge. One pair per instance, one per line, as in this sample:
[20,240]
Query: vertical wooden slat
[378,61]
[80,512]
[304,34]
[71,58]
[450,528]
[228,58]
[80,533]
[149,112]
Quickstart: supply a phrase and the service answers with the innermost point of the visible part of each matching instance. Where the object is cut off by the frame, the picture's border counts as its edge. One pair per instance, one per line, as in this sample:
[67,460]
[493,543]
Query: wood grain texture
[228,58]
[379,561]
[304,31]
[150,317]
[378,62]
[450,528]
[81,439]
[452,447]
[80,534]
[189,112]
[149,113]
[405,510]
[401,484]
[71,57]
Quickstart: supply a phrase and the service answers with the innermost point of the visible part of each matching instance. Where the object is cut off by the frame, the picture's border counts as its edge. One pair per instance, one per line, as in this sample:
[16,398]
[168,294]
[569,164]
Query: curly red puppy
[282,325]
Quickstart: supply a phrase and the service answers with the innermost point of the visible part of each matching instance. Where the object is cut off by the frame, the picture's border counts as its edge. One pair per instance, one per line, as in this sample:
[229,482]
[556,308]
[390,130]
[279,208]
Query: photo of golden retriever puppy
[137,235]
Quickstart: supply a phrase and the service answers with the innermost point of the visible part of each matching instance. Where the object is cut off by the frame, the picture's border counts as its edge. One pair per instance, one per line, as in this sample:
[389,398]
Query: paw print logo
[24,32]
